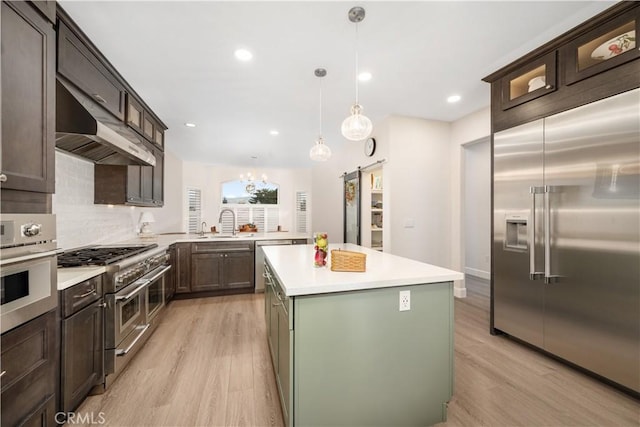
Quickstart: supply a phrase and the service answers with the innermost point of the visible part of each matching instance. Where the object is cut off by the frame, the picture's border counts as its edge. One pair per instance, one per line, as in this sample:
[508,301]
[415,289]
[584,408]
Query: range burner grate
[99,255]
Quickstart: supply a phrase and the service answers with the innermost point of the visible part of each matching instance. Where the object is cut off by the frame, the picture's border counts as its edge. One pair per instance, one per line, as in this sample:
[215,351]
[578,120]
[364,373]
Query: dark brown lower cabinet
[215,266]
[30,358]
[237,270]
[82,354]
[182,268]
[206,272]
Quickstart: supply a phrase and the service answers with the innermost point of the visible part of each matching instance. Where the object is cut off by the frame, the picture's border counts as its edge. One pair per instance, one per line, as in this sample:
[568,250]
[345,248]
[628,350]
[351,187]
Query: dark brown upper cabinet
[596,59]
[532,81]
[135,113]
[81,66]
[131,185]
[149,128]
[607,46]
[28,102]
[159,137]
[143,121]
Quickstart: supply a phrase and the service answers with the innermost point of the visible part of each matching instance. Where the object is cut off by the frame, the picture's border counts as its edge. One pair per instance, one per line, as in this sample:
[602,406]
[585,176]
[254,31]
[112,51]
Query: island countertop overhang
[294,269]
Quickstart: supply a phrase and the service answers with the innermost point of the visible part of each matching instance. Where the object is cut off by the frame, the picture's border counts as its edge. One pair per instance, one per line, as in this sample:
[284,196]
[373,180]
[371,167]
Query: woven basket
[348,261]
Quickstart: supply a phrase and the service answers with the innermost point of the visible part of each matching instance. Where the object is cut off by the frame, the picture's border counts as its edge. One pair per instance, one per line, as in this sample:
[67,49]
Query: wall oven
[27,268]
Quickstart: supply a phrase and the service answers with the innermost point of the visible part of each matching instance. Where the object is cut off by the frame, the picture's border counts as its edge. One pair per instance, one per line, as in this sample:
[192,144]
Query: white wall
[477,208]
[418,190]
[470,128]
[80,222]
[169,217]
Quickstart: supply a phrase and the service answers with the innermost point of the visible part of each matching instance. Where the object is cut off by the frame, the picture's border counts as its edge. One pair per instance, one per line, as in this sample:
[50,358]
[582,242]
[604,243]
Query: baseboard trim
[477,273]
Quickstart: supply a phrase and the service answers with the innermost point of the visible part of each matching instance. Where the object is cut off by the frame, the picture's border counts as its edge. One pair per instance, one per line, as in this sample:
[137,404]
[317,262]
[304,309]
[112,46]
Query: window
[249,192]
[194,202]
[254,202]
[302,217]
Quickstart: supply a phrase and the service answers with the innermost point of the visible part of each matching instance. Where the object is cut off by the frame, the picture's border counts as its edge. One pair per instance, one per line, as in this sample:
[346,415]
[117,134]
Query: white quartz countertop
[294,269]
[170,238]
[71,276]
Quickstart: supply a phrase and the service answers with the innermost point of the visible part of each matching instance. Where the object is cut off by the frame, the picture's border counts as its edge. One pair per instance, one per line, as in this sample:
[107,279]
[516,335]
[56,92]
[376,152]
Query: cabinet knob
[548,87]
[3,177]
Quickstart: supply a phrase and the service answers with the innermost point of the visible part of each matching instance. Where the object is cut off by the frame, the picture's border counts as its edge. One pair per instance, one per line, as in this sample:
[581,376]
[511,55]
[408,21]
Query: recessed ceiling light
[274,132]
[364,76]
[190,125]
[454,98]
[243,55]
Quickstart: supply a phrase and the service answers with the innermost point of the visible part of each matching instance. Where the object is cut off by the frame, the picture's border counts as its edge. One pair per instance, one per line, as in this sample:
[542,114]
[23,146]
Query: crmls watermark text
[80,418]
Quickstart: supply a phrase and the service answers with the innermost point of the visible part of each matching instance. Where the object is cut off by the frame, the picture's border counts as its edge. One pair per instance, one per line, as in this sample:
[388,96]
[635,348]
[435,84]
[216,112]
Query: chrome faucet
[202,227]
[234,218]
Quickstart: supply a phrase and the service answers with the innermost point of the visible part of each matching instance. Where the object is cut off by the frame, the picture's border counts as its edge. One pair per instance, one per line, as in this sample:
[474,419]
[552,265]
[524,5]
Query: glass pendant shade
[320,152]
[356,127]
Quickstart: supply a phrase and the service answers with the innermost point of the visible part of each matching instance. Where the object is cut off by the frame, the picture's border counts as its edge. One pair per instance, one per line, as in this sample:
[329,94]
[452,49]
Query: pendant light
[320,152]
[357,126]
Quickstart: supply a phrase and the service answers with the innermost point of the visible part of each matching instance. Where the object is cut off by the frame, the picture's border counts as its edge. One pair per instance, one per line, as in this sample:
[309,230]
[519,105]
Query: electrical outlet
[405,300]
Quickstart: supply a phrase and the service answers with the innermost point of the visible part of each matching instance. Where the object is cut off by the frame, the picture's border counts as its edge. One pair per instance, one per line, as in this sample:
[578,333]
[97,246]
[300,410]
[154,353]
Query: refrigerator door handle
[548,190]
[533,274]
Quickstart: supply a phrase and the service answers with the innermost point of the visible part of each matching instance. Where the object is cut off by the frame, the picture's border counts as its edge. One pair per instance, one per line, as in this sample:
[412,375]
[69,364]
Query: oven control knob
[31,229]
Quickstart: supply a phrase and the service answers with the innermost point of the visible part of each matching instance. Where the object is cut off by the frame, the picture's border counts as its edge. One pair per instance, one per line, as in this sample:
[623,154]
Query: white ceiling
[178,55]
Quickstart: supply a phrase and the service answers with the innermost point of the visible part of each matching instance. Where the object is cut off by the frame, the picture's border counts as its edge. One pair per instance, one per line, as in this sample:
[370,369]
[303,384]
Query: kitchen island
[344,353]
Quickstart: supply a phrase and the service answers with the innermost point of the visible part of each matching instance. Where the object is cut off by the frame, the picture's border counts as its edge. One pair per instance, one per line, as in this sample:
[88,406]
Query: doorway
[476,215]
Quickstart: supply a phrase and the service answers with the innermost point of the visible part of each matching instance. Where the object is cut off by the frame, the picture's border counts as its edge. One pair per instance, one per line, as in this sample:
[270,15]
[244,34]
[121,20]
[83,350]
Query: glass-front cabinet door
[603,48]
[529,82]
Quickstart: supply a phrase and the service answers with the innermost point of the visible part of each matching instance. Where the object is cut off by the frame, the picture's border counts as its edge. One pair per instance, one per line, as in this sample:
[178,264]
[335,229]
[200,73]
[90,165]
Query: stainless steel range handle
[122,352]
[158,274]
[533,274]
[132,293]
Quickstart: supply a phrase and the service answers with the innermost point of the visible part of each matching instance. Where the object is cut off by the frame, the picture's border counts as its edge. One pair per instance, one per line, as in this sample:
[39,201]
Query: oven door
[126,314]
[155,291]
[29,288]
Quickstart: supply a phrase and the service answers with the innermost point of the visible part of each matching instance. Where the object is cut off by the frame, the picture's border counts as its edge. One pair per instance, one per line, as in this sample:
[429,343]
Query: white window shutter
[302,218]
[194,203]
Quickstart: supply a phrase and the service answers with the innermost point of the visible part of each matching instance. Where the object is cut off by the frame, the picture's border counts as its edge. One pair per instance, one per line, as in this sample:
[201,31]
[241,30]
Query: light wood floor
[208,364]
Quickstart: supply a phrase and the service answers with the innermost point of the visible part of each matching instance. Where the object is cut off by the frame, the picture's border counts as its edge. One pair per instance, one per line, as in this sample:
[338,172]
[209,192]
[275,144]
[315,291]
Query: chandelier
[250,178]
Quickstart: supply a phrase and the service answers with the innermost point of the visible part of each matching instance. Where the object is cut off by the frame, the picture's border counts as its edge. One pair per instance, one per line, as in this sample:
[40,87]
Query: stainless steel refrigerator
[566,241]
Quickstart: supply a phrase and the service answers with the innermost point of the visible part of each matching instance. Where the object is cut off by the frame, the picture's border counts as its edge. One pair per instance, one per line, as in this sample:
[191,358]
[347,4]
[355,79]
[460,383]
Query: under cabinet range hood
[83,128]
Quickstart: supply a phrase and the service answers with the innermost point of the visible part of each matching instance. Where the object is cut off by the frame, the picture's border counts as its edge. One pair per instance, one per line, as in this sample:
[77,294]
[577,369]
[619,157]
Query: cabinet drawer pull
[86,294]
[3,177]
[99,98]
[2,373]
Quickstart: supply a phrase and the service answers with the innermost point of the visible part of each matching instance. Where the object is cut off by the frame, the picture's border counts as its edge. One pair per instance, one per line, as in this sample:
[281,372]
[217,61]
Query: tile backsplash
[79,221]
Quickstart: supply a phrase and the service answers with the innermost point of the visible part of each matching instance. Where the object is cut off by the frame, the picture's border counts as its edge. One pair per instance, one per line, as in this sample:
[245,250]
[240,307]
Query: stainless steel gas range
[134,287]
